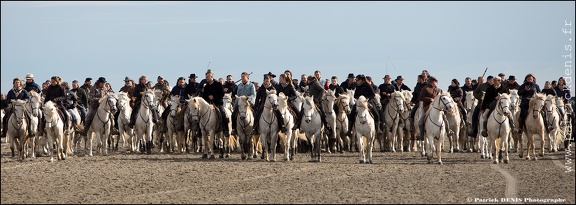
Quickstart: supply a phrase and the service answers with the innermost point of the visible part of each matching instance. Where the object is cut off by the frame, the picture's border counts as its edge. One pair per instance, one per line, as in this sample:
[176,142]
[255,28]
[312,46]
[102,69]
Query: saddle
[61,114]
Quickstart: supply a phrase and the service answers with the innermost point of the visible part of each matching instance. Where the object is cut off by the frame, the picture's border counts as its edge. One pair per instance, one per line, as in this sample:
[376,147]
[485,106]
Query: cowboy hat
[399,78]
[386,76]
[270,74]
[511,77]
[501,74]
[193,75]
[29,76]
[101,80]
[350,75]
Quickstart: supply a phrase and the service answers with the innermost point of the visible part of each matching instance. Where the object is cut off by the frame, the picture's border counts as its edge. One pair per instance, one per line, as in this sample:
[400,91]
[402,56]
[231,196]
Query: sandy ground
[339,178]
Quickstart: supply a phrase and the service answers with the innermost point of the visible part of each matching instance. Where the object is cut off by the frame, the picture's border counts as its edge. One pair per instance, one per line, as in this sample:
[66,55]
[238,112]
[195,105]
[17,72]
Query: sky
[115,39]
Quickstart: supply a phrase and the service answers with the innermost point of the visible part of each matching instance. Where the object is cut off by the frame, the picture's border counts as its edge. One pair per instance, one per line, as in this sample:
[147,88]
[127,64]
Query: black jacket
[216,90]
[138,90]
[347,86]
[71,101]
[231,88]
[491,94]
[525,95]
[364,90]
[401,87]
[192,88]
[261,95]
[337,89]
[288,91]
[417,90]
[55,93]
[550,91]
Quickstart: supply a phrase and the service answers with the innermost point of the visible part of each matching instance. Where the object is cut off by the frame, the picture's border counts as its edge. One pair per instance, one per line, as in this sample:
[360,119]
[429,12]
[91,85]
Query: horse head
[227,100]
[398,99]
[18,109]
[148,99]
[34,103]
[514,100]
[362,107]
[328,101]
[536,104]
[243,106]
[445,99]
[308,108]
[111,100]
[174,105]
[470,101]
[271,99]
[49,110]
[407,97]
[344,103]
[298,101]
[504,104]
[123,101]
[550,105]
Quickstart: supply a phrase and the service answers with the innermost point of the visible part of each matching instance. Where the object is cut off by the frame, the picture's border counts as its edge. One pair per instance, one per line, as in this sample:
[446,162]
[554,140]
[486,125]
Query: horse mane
[552,99]
[363,102]
[47,105]
[273,91]
[34,94]
[536,97]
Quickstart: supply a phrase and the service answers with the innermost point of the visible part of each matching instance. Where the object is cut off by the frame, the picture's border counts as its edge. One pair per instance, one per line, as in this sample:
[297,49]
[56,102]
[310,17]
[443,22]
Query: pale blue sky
[76,40]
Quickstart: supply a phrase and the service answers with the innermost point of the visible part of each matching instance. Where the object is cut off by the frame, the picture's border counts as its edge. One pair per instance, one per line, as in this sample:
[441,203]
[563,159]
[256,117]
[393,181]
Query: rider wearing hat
[192,86]
[363,89]
[316,91]
[16,93]
[97,92]
[31,85]
[260,100]
[399,85]
[426,97]
[511,83]
[349,83]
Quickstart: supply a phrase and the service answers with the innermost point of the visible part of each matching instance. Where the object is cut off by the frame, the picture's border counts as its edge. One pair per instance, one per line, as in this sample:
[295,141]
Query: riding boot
[298,121]
[234,116]
[41,124]
[351,121]
[155,116]
[255,128]
[327,127]
[512,124]
[421,136]
[225,121]
[5,123]
[31,130]
[422,124]
[520,125]
[116,117]
[280,120]
[485,122]
[133,118]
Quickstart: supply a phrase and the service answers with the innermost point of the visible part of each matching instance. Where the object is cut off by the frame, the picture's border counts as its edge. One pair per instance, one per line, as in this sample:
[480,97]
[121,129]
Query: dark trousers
[475,121]
[301,115]
[353,113]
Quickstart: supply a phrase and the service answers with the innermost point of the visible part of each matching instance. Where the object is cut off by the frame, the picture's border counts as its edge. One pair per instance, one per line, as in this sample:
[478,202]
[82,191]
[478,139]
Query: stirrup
[484,133]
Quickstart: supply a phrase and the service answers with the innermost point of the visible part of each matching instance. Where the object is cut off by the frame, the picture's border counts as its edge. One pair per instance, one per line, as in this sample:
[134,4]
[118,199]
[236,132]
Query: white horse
[364,130]
[160,103]
[244,125]
[33,110]
[144,124]
[552,118]
[514,115]
[392,113]
[498,128]
[297,104]
[455,124]
[174,123]
[344,109]
[18,128]
[126,133]
[311,125]
[435,126]
[289,140]
[191,130]
[268,126]
[404,124]
[328,100]
[534,125]
[470,103]
[54,130]
[102,123]
[209,122]
[227,144]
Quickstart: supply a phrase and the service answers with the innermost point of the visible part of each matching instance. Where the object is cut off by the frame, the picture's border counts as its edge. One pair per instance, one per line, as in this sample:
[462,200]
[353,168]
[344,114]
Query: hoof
[361,161]
[221,156]
[272,160]
[254,156]
[506,161]
[212,157]
[495,161]
[370,162]
[243,157]
[521,156]
[429,162]
[204,156]
[535,158]
[440,162]
[286,159]
[227,156]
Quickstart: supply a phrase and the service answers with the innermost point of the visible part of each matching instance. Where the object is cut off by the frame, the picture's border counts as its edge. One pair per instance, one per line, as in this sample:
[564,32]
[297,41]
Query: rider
[178,90]
[489,103]
[245,88]
[261,100]
[97,92]
[527,90]
[82,99]
[426,97]
[334,86]
[414,101]
[139,91]
[56,93]
[456,93]
[479,94]
[349,83]
[316,91]
[71,102]
[363,89]
[399,85]
[285,86]
[16,93]
[213,93]
[385,90]
[31,85]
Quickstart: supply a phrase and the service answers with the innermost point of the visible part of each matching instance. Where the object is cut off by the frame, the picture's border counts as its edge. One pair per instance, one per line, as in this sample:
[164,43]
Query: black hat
[501,74]
[361,77]
[432,79]
[511,77]
[193,75]
[160,77]
[101,79]
[350,75]
[399,78]
[270,74]
[88,79]
[386,76]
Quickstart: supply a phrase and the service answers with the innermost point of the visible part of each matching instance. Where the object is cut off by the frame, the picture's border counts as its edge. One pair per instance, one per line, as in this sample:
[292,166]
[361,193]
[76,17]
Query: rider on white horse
[97,92]
[139,91]
[55,92]
[479,95]
[16,93]
[316,90]
[489,103]
[260,100]
[417,89]
[178,90]
[245,88]
[457,93]
[427,95]
[527,90]
[71,102]
[363,89]
[386,89]
[213,93]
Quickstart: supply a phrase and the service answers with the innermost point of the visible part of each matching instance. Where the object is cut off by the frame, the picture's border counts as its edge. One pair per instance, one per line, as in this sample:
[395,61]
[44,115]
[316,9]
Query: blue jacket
[247,90]
[527,94]
[33,86]
[178,90]
[13,95]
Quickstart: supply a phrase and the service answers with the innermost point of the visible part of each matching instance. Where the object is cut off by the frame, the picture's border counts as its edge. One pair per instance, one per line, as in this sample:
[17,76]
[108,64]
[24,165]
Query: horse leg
[495,143]
[542,143]
[369,148]
[360,147]
[265,146]
[273,143]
